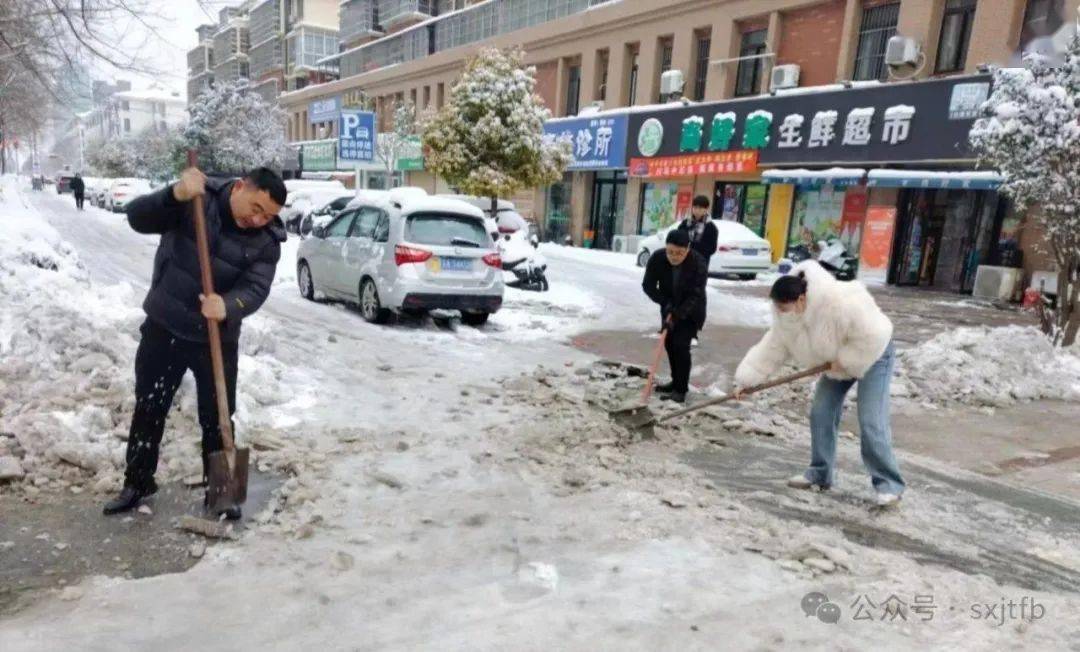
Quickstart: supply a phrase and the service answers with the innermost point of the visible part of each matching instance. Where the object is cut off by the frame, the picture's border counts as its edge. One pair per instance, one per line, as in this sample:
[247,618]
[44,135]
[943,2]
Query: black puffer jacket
[243,261]
[686,301]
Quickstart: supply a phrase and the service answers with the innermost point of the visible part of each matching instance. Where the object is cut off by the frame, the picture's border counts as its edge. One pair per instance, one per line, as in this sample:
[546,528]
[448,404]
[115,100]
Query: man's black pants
[677,344]
[79,197]
[160,365]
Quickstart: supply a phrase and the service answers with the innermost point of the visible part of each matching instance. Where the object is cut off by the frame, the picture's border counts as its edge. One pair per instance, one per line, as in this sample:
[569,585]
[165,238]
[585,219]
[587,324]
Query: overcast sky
[164,42]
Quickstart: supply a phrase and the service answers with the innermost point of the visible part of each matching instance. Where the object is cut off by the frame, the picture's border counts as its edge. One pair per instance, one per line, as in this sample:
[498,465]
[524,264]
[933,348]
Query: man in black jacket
[245,237]
[675,279]
[78,188]
[703,233]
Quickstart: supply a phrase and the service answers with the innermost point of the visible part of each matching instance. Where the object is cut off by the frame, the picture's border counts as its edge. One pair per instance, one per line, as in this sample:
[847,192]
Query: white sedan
[739,251]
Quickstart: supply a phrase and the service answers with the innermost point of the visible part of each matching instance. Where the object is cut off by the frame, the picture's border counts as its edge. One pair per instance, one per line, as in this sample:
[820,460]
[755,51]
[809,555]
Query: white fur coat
[842,323]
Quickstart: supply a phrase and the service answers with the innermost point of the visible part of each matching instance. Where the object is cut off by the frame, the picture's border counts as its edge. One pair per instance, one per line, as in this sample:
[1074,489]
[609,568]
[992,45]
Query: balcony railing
[264,21]
[307,46]
[265,57]
[198,59]
[359,18]
[392,11]
[471,25]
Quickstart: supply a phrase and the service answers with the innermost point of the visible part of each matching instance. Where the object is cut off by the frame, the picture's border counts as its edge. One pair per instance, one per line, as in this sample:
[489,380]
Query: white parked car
[739,251]
[401,251]
[122,191]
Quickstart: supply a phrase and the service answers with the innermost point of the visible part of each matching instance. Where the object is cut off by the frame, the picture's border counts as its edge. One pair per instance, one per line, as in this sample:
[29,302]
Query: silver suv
[404,252]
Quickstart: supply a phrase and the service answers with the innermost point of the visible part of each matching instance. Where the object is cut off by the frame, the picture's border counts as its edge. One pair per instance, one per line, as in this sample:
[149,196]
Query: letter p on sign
[349,123]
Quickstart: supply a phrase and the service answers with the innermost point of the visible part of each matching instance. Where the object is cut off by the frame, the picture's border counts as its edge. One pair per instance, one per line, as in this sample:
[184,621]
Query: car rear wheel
[474,318]
[643,258]
[370,306]
[307,285]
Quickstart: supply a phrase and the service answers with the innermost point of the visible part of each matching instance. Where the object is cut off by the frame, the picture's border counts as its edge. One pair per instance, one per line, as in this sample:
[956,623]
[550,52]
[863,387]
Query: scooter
[832,255]
[523,266]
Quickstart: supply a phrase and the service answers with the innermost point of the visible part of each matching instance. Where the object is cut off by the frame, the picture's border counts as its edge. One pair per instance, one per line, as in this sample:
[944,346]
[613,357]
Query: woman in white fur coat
[818,320]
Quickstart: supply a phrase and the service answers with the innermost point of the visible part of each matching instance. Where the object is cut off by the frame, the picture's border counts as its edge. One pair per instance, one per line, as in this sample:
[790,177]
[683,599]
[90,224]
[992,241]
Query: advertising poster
[683,201]
[851,220]
[754,215]
[817,216]
[658,206]
[876,244]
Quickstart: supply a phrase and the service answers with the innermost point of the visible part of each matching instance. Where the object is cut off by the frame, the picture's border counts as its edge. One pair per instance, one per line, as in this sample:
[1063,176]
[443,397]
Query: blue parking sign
[356,135]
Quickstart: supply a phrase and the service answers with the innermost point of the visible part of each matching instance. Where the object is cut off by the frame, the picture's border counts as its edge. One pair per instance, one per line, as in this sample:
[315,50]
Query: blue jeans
[875,433]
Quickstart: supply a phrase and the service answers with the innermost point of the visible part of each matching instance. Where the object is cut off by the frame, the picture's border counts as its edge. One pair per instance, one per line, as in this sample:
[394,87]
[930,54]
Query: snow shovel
[646,393]
[228,468]
[644,419]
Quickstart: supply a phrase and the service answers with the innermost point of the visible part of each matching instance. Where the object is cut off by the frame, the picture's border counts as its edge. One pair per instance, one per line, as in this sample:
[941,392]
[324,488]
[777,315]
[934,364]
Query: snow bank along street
[464,488]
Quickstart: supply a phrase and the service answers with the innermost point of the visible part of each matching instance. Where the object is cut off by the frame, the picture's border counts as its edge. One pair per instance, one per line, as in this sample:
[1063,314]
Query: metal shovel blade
[227,487]
[635,417]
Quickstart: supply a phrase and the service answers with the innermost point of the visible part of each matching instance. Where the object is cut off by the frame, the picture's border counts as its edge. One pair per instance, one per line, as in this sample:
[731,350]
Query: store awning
[964,180]
[840,177]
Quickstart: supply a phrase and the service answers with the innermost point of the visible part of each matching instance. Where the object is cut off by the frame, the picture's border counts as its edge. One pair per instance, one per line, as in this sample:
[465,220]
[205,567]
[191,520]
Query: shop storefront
[589,203]
[883,169]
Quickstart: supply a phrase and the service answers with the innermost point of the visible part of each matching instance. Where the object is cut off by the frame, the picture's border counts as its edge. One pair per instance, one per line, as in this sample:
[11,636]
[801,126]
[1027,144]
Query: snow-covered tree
[234,129]
[1030,133]
[391,145]
[153,154]
[488,139]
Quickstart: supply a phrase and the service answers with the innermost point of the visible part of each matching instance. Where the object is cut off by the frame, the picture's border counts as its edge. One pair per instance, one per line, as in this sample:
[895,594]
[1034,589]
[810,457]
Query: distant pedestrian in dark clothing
[675,279]
[703,233]
[245,237]
[78,187]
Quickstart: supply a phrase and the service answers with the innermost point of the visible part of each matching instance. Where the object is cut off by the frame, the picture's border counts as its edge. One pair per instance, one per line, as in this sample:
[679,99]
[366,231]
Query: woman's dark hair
[787,289]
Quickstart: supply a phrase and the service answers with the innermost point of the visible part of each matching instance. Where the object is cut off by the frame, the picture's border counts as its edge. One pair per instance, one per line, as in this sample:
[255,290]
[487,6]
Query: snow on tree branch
[1030,133]
[488,138]
[235,130]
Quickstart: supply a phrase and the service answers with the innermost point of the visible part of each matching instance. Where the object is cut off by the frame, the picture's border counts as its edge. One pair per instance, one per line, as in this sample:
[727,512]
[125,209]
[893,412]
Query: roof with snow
[152,95]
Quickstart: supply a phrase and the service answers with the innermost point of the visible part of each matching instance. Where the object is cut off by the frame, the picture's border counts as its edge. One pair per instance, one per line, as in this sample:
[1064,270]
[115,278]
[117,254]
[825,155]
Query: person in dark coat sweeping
[675,279]
[703,233]
[78,188]
[245,237]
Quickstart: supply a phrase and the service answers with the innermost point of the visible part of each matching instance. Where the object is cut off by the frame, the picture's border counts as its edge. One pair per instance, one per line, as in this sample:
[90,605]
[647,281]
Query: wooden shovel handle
[753,389]
[221,392]
[647,391]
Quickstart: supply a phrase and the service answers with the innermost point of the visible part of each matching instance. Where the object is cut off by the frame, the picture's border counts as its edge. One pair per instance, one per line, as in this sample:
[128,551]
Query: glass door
[609,199]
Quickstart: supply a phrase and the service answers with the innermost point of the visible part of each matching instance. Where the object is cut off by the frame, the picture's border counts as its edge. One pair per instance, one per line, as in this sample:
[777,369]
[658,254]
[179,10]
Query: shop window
[573,89]
[662,204]
[816,216]
[633,76]
[557,220]
[748,74]
[877,27]
[955,35]
[666,53]
[741,202]
[701,72]
[1041,18]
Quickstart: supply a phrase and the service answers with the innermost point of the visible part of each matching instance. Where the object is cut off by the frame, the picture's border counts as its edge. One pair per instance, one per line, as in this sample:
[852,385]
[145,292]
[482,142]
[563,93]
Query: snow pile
[990,366]
[67,349]
[560,312]
[591,256]
[286,267]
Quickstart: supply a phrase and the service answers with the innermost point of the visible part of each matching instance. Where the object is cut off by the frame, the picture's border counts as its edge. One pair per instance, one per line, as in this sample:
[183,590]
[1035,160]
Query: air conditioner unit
[672,82]
[1047,282]
[998,283]
[902,51]
[785,76]
[626,244]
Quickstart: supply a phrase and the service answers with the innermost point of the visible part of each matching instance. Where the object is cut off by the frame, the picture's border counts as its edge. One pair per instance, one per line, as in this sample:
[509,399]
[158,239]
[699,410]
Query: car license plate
[456,264]
[749,252]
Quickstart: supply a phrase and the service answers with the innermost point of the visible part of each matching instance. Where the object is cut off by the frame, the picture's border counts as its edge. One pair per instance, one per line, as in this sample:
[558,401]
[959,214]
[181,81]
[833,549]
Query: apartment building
[788,56]
[121,111]
[200,61]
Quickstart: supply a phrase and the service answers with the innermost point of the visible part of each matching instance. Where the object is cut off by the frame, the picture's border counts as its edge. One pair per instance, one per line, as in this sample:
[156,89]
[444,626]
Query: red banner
[734,162]
[877,240]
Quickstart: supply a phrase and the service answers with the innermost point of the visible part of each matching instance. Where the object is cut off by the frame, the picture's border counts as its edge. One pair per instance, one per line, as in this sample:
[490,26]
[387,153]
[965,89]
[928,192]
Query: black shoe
[129,499]
[677,397]
[665,388]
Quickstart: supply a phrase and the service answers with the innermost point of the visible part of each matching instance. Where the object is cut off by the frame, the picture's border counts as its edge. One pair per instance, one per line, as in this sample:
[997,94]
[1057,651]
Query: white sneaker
[800,482]
[887,500]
